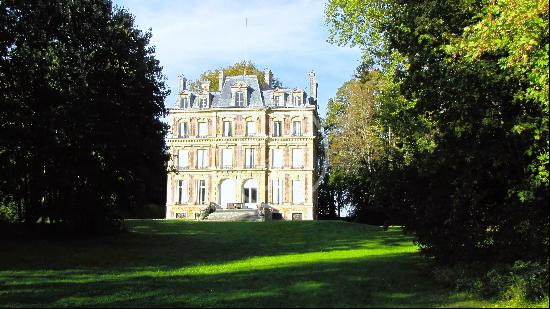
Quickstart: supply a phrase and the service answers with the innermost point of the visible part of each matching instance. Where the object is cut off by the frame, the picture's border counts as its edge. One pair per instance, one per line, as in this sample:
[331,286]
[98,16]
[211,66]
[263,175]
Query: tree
[81,97]
[236,69]
[471,129]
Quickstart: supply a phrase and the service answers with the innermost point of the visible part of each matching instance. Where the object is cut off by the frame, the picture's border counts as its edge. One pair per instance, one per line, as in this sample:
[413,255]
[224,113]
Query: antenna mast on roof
[245,44]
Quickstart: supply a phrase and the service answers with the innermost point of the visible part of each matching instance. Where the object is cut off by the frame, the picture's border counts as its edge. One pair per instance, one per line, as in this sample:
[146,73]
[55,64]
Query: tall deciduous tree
[472,128]
[81,98]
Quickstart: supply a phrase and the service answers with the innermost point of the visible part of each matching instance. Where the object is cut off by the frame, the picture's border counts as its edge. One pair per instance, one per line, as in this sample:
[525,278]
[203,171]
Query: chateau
[241,146]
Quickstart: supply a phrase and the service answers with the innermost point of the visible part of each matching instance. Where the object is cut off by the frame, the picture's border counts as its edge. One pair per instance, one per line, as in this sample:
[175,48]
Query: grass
[234,264]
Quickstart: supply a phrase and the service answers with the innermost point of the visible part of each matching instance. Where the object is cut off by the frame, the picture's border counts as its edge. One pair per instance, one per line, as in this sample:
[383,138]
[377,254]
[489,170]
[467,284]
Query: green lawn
[235,264]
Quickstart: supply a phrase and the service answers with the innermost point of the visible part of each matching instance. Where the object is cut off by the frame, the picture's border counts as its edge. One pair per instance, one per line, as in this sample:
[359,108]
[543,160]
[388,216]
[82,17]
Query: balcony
[202,136]
[297,166]
[250,166]
[226,166]
[202,167]
[186,167]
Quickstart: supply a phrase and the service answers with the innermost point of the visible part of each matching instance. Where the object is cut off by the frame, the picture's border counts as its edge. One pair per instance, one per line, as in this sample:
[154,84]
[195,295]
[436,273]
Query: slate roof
[257,97]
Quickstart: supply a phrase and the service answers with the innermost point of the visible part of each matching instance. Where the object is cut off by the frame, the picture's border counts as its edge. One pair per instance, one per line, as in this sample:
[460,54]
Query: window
[297,101]
[250,128]
[227,158]
[202,158]
[250,194]
[249,157]
[197,215]
[181,215]
[296,128]
[277,191]
[277,158]
[203,102]
[183,197]
[277,128]
[203,129]
[239,98]
[183,159]
[297,158]
[184,103]
[182,129]
[297,192]
[296,216]
[201,192]
[227,128]
[277,100]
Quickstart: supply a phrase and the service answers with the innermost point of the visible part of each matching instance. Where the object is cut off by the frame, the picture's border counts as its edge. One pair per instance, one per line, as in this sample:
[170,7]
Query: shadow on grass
[284,264]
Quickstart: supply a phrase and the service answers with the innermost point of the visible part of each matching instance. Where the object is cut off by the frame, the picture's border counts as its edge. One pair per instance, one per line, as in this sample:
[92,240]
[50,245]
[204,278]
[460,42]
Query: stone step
[234,215]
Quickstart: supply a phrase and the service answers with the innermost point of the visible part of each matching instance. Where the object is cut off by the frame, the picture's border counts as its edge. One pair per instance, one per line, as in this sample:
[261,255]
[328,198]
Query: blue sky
[289,37]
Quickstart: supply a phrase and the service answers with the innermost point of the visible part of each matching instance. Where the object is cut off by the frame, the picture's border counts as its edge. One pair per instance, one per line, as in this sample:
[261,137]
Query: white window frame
[202,127]
[202,158]
[277,100]
[277,128]
[250,128]
[250,157]
[183,191]
[277,191]
[297,192]
[203,102]
[297,158]
[297,100]
[201,192]
[277,156]
[296,128]
[227,157]
[184,103]
[250,194]
[183,129]
[239,98]
[183,159]
[227,129]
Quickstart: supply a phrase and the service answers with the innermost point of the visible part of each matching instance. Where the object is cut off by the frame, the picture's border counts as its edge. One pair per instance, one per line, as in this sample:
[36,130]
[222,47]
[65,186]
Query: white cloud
[287,36]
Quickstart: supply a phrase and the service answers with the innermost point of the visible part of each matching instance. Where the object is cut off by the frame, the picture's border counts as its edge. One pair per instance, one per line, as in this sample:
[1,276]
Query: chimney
[205,85]
[221,79]
[268,78]
[312,85]
[183,83]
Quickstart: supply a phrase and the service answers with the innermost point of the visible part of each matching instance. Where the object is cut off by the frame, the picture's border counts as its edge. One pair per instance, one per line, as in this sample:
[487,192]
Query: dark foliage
[81,94]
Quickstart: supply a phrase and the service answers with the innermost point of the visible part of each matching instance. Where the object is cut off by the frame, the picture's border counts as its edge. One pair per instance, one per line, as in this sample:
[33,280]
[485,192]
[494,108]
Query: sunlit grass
[246,264]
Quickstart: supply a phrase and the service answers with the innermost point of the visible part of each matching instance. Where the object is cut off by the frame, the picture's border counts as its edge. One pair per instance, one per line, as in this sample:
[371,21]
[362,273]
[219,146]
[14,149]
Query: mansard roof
[256,96]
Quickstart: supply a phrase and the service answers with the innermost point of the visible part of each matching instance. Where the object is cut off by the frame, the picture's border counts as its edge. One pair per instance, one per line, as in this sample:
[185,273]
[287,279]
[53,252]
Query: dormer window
[240,91]
[184,103]
[277,100]
[203,102]
[239,98]
[297,101]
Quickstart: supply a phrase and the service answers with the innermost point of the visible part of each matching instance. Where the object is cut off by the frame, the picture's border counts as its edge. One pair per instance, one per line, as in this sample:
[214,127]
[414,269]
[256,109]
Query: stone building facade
[241,146]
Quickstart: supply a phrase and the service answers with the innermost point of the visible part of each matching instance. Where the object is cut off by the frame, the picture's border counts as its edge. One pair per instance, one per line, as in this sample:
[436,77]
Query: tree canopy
[465,95]
[236,69]
[81,98]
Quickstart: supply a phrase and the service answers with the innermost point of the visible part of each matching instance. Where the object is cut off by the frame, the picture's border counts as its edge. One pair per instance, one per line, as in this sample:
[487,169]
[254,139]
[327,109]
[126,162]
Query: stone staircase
[234,215]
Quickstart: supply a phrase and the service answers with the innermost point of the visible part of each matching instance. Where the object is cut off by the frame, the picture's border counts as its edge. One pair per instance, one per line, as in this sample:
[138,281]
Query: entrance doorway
[227,192]
[250,193]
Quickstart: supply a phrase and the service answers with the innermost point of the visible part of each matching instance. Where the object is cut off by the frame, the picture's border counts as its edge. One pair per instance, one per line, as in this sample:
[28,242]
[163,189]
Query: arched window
[250,194]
